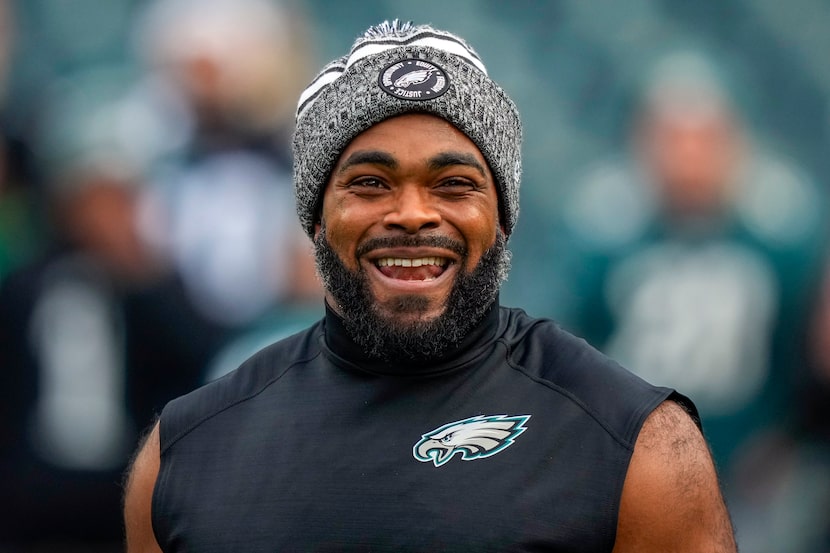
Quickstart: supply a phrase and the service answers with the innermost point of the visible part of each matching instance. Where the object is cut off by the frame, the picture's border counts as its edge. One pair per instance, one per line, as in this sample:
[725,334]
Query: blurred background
[674,213]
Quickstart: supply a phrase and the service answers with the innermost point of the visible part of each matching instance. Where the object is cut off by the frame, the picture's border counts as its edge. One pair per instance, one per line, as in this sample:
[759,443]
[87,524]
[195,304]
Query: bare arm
[671,500]
[139,496]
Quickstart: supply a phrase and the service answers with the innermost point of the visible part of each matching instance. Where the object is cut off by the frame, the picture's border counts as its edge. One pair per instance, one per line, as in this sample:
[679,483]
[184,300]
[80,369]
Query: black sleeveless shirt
[518,441]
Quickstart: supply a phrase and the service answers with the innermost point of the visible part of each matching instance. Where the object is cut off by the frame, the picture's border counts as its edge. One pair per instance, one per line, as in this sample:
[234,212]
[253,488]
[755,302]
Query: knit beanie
[394,69]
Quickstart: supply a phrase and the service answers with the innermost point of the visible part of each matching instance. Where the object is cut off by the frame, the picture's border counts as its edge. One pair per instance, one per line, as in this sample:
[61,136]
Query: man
[419,415]
[706,282]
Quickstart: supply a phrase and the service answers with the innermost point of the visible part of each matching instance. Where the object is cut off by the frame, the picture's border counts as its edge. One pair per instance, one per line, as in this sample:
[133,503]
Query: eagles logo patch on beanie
[413,79]
[397,68]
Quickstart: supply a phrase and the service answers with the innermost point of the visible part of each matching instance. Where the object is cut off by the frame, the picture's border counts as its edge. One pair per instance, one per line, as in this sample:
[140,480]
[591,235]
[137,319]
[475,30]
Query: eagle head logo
[414,77]
[473,438]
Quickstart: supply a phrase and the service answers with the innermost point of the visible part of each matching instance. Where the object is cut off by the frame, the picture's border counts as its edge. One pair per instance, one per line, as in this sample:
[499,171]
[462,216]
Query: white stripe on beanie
[381,38]
[328,75]
[426,37]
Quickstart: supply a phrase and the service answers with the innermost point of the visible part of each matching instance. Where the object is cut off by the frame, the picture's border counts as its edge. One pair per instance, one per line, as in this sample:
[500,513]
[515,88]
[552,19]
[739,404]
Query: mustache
[443,242]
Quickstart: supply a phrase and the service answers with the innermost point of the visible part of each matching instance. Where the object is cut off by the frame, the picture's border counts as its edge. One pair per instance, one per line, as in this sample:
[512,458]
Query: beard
[404,338]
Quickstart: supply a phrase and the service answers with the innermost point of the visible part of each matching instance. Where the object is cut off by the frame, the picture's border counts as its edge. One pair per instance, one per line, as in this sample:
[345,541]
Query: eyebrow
[437,162]
[372,157]
[449,159]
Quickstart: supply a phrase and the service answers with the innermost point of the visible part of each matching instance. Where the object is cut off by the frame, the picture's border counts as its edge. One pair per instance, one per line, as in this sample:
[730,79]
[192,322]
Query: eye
[446,439]
[367,183]
[456,185]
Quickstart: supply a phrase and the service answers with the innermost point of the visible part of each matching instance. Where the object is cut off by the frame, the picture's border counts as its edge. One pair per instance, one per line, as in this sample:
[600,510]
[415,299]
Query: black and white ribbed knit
[399,68]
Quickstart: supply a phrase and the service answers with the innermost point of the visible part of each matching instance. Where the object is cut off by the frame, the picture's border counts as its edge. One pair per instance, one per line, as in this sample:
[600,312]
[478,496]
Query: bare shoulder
[138,496]
[671,499]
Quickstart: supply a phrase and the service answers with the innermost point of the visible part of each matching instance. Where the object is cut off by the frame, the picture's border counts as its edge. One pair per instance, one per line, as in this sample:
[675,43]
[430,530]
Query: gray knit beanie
[400,68]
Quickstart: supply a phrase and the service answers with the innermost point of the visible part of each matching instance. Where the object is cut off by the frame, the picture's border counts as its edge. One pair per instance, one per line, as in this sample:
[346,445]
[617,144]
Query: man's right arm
[138,497]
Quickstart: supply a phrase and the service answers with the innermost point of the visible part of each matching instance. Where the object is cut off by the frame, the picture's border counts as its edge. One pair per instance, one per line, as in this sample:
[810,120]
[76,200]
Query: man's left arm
[671,499]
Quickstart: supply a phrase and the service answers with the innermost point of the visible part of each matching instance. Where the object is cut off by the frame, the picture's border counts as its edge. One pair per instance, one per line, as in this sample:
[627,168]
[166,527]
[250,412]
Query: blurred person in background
[65,421]
[219,208]
[94,335]
[148,189]
[64,436]
[696,257]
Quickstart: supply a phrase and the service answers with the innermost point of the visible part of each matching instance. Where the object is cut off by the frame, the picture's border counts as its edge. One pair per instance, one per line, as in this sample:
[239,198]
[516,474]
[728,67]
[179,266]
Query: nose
[412,211]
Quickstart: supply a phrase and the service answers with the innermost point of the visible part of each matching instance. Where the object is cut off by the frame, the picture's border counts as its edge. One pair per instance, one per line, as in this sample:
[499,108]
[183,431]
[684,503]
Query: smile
[414,268]
[416,262]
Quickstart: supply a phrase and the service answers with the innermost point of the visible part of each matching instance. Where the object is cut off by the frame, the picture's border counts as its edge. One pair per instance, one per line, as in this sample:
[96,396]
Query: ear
[318,226]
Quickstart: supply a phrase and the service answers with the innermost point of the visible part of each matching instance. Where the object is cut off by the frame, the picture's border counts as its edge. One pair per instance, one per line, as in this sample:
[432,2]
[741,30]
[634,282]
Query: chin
[410,308]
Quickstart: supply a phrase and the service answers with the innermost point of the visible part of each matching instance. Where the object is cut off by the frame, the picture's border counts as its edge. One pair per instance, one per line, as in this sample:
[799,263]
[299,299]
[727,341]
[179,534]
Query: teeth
[406,262]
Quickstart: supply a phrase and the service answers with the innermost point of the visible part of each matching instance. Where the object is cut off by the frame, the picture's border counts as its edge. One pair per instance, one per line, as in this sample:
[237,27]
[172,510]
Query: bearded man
[419,414]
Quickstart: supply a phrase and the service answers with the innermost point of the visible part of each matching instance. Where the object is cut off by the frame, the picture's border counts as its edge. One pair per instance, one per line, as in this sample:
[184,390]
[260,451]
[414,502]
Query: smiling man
[419,414]
[411,253]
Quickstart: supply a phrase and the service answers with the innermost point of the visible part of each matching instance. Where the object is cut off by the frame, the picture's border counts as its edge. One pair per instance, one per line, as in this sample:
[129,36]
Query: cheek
[480,235]
[342,233]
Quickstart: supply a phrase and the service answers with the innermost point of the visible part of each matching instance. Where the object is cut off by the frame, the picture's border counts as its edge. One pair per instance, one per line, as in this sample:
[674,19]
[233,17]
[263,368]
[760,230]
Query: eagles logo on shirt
[473,438]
